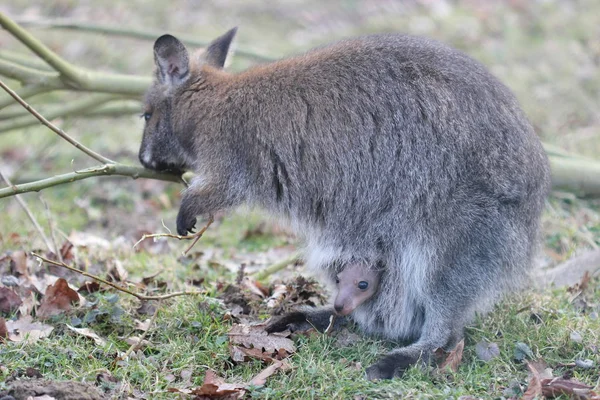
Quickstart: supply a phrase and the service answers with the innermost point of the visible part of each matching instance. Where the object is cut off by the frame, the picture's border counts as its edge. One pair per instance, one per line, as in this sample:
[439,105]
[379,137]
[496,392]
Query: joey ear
[171,59]
[216,52]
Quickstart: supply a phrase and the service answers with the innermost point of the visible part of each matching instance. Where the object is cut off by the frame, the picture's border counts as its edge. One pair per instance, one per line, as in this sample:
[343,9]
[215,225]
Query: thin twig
[54,128]
[115,286]
[28,212]
[102,170]
[196,236]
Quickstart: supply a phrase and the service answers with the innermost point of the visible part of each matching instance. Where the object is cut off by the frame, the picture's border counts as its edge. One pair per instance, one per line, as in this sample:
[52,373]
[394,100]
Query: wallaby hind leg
[438,331]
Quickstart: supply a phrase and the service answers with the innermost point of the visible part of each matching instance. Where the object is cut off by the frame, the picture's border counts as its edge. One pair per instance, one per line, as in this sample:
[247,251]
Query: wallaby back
[387,149]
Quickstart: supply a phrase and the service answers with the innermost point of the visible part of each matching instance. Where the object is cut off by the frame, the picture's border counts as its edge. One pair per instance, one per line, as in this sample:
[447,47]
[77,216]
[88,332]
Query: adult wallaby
[387,149]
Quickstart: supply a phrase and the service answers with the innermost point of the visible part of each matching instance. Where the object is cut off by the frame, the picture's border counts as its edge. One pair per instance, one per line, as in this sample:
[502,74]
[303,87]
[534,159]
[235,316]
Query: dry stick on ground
[114,285]
[28,212]
[196,236]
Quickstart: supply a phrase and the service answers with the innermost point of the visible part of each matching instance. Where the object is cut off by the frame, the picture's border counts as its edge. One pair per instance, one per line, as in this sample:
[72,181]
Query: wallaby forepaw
[185,223]
[390,366]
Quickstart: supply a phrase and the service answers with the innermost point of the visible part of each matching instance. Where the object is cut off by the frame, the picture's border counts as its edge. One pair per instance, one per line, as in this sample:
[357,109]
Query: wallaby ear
[171,59]
[216,52]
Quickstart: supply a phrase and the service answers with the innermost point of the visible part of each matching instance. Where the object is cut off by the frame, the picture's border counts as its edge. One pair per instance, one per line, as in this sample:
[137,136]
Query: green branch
[132,33]
[101,170]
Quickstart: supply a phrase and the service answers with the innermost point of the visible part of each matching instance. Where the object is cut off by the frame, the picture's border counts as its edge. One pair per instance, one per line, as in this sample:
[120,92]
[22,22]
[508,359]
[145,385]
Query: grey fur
[387,150]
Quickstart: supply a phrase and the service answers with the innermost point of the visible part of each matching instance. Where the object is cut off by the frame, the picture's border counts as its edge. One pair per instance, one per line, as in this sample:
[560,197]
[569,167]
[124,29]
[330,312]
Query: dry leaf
[255,336]
[142,326]
[254,286]
[3,329]
[534,389]
[58,299]
[118,273]
[25,330]
[88,333]
[214,387]
[137,342]
[454,357]
[278,294]
[9,300]
[576,390]
[262,376]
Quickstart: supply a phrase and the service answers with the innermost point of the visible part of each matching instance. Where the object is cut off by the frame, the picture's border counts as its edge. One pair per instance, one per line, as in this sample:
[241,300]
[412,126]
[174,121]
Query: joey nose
[338,308]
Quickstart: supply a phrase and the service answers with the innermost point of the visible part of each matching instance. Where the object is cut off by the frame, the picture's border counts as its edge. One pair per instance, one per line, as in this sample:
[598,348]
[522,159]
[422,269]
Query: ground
[547,52]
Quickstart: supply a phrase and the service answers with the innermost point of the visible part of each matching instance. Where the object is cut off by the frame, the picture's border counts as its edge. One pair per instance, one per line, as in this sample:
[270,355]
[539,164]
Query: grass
[546,52]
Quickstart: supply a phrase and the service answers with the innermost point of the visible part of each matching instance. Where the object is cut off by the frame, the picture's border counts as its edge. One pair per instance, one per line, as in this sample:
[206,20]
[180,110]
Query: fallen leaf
[24,330]
[486,350]
[58,299]
[242,354]
[254,286]
[534,389]
[454,357]
[137,342]
[9,300]
[142,326]
[522,351]
[89,334]
[3,329]
[215,387]
[19,263]
[262,376]
[256,336]
[117,273]
[576,390]
[277,295]
[89,287]
[66,251]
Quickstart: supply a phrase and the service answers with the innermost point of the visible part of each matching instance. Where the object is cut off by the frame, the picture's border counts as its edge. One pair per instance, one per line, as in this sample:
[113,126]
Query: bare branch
[100,170]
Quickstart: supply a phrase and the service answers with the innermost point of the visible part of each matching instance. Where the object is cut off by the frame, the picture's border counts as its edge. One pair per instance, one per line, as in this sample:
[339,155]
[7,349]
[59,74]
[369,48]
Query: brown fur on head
[356,283]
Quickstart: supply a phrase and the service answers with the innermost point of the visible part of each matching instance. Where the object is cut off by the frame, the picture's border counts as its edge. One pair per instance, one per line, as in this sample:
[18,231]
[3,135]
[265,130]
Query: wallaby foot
[391,366]
[303,320]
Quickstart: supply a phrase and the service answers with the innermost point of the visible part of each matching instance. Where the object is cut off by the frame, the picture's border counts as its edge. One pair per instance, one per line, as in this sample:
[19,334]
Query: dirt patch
[67,390]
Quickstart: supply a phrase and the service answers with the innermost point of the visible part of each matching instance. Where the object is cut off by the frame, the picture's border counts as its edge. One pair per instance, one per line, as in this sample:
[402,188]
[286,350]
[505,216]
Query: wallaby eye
[146,116]
[337,280]
[363,285]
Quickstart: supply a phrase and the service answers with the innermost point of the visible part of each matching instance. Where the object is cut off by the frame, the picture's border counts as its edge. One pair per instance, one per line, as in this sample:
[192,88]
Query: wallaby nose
[338,308]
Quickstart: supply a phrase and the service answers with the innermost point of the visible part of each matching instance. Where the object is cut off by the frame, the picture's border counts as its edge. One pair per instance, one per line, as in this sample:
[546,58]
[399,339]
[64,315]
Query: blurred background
[546,51]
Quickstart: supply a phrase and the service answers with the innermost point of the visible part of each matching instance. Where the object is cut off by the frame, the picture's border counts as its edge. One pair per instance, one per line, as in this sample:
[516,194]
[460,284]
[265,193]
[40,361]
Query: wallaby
[389,149]
[355,284]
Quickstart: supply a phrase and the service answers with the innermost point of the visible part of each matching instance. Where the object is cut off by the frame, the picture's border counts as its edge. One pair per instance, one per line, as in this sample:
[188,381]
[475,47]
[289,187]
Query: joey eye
[146,116]
[337,280]
[363,285]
